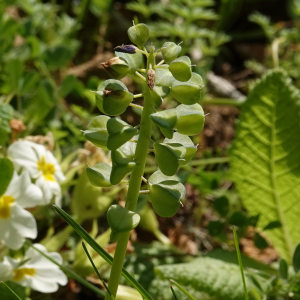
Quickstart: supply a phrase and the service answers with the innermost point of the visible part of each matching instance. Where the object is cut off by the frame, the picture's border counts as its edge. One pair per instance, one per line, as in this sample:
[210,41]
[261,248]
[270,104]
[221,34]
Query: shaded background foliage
[50,58]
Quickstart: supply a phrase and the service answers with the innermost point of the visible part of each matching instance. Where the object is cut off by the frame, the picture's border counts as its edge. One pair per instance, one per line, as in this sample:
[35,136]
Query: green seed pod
[97,132]
[119,133]
[188,92]
[120,219]
[186,142]
[99,175]
[166,197]
[129,148]
[166,120]
[163,77]
[121,166]
[168,157]
[112,97]
[116,67]
[158,176]
[181,68]
[170,52]
[134,61]
[138,34]
[191,119]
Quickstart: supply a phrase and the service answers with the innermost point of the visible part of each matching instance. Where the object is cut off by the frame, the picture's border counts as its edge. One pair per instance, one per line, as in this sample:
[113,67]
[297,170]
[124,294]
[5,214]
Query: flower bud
[138,34]
[116,67]
[181,68]
[170,52]
[130,49]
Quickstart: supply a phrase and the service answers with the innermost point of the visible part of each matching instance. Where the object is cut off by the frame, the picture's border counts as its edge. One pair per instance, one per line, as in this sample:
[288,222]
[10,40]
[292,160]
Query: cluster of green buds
[129,145]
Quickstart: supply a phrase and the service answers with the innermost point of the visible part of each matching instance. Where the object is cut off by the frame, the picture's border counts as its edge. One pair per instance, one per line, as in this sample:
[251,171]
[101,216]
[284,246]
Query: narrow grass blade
[182,289]
[106,256]
[175,296]
[11,291]
[240,262]
[71,274]
[96,270]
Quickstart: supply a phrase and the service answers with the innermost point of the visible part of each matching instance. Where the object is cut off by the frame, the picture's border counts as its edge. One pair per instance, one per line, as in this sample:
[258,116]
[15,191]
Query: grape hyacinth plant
[129,145]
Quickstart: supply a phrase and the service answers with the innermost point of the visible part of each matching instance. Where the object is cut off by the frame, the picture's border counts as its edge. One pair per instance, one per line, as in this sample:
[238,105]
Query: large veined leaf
[265,158]
[218,279]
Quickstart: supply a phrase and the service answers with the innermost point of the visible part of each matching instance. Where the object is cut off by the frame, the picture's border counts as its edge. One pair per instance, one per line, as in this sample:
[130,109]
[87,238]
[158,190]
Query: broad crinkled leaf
[265,158]
[218,279]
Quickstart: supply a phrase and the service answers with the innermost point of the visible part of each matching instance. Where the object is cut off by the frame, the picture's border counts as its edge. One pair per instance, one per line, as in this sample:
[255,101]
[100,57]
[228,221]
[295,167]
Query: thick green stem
[134,183]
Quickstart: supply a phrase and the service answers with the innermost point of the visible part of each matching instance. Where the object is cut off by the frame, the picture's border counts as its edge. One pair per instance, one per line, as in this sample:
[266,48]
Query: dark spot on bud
[151,78]
[130,49]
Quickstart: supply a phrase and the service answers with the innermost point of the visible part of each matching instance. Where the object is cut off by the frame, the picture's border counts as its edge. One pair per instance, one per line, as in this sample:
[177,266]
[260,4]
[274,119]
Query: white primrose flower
[16,223]
[41,165]
[34,271]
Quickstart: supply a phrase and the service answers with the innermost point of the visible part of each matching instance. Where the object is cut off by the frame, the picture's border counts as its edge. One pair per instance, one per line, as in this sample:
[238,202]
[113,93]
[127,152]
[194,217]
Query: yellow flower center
[5,203]
[20,273]
[47,169]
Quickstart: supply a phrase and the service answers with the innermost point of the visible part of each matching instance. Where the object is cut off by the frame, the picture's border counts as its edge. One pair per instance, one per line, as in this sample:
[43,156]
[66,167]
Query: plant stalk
[134,182]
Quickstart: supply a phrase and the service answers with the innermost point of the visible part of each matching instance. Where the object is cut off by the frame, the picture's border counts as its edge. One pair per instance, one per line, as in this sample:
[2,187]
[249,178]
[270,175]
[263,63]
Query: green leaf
[296,259]
[218,279]
[182,289]
[221,205]
[283,269]
[6,174]
[260,241]
[106,256]
[29,82]
[121,219]
[12,291]
[67,85]
[6,114]
[265,158]
[15,71]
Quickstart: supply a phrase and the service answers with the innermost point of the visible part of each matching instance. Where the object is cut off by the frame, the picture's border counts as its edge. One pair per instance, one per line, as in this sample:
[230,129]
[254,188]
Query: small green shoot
[106,256]
[175,296]
[96,270]
[182,289]
[240,262]
[11,291]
